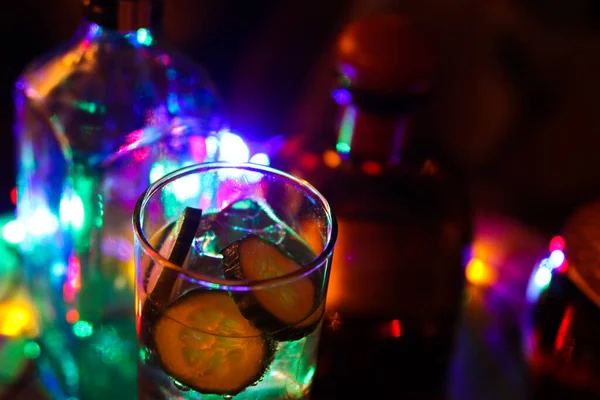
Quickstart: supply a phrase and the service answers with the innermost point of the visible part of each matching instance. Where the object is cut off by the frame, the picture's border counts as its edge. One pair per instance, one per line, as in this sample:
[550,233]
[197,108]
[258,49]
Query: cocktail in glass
[232,265]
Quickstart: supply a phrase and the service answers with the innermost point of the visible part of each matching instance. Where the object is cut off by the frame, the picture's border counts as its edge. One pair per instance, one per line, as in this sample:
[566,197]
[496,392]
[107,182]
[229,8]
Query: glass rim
[222,283]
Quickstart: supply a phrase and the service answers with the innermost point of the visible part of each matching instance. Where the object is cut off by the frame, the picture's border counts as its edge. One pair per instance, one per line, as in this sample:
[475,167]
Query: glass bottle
[397,277]
[97,120]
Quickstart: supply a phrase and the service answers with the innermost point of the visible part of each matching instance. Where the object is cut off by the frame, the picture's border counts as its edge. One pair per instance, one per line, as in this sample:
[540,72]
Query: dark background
[515,106]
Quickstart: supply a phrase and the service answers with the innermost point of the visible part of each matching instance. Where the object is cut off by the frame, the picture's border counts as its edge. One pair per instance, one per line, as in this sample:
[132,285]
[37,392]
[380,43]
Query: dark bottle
[397,278]
[562,321]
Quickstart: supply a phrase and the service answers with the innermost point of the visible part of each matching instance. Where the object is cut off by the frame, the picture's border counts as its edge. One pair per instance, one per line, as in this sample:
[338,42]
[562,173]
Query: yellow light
[479,272]
[16,318]
[131,273]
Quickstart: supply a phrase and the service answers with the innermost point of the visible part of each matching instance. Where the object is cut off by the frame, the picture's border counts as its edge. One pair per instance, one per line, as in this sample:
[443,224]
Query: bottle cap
[124,15]
[385,54]
[387,67]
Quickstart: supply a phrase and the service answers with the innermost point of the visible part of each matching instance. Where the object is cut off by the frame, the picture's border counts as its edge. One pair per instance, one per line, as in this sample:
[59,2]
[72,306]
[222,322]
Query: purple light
[341,96]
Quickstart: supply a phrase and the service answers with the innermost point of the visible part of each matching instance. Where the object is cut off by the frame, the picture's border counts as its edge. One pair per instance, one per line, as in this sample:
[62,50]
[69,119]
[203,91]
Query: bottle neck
[376,128]
[123,15]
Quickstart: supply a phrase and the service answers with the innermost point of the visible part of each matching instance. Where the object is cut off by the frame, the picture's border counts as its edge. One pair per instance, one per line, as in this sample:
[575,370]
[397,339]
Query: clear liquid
[290,373]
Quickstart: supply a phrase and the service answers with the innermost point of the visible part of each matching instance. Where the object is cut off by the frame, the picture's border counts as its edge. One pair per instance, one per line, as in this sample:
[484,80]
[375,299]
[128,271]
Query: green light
[144,37]
[12,359]
[71,211]
[346,130]
[90,107]
[77,212]
[32,350]
[157,171]
[144,355]
[110,346]
[309,375]
[242,204]
[83,329]
[342,147]
[345,81]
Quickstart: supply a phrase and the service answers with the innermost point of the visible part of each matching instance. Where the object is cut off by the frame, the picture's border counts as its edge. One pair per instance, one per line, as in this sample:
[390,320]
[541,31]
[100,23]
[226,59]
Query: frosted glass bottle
[97,120]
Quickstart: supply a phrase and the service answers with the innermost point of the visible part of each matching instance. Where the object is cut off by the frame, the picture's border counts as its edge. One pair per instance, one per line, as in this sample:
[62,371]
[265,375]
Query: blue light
[58,269]
[186,187]
[212,144]
[557,257]
[261,159]
[545,263]
[173,103]
[539,281]
[542,277]
[14,232]
[42,222]
[233,148]
[157,171]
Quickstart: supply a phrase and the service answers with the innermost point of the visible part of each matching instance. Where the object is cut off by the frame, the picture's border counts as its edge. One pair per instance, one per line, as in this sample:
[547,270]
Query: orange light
[311,233]
[372,168]
[479,272]
[429,168]
[331,159]
[335,321]
[72,316]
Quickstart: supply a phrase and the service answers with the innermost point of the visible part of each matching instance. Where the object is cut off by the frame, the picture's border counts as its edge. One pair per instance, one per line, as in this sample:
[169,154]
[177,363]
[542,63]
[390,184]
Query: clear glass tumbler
[232,265]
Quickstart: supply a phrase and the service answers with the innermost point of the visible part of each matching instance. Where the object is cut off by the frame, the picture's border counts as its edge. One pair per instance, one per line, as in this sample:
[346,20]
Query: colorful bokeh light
[14,232]
[16,318]
[480,273]
[232,148]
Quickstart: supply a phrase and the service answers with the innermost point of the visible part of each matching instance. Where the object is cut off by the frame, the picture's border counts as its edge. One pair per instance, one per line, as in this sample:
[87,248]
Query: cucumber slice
[204,343]
[286,312]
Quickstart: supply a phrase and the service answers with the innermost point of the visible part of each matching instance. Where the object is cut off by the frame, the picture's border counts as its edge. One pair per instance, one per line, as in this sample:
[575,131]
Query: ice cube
[205,258]
[245,215]
[249,216]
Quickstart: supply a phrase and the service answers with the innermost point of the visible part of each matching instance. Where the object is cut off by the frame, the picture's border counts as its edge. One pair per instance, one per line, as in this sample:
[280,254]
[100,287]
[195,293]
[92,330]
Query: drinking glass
[232,265]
